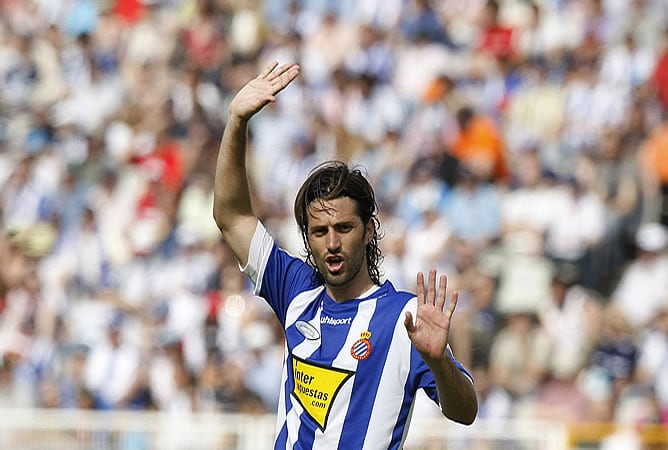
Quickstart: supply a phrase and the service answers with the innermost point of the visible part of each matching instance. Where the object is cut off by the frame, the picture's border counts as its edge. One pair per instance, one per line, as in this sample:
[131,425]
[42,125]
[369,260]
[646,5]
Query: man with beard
[357,350]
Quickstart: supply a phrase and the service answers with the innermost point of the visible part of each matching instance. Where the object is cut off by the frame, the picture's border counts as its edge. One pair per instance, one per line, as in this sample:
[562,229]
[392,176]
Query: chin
[340,279]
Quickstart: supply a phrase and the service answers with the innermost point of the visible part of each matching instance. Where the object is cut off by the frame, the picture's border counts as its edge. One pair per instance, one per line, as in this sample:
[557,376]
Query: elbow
[219,215]
[218,218]
[466,418]
[465,413]
[220,221]
[469,418]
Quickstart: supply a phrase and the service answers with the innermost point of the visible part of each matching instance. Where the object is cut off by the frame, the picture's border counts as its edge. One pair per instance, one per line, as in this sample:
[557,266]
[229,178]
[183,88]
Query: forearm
[455,391]
[231,191]
[232,207]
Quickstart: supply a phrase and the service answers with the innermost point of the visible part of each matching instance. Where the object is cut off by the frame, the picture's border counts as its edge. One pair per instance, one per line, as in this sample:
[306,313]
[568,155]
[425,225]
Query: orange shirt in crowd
[655,154]
[481,142]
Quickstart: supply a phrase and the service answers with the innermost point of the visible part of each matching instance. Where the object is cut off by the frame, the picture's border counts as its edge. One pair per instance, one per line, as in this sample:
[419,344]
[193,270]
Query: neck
[349,291]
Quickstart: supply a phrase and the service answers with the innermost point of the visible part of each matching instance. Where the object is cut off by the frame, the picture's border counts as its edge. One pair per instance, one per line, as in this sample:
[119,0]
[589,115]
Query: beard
[352,264]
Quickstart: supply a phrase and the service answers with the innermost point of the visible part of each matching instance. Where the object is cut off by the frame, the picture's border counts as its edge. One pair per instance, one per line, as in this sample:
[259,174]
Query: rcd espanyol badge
[361,349]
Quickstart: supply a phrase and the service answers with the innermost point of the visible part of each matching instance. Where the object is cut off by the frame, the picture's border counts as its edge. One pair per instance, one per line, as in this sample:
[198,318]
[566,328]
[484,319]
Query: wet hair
[331,180]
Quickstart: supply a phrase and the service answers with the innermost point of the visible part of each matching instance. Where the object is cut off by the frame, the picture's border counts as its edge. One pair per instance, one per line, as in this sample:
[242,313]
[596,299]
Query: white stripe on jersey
[280,415]
[299,304]
[303,350]
[342,360]
[293,423]
[398,352]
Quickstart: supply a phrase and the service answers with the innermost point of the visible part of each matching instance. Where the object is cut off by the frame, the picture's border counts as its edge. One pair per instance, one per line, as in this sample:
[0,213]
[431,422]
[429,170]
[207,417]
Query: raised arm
[429,334]
[232,208]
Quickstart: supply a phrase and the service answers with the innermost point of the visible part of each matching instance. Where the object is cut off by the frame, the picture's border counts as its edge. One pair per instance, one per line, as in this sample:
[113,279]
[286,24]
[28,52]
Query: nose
[333,241]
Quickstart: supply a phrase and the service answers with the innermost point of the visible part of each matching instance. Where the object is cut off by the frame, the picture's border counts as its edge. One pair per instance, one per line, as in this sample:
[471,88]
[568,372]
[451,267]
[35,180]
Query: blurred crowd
[518,146]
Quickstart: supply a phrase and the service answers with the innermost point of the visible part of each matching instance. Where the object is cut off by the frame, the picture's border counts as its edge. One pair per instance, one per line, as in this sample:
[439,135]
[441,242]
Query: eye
[344,228]
[318,232]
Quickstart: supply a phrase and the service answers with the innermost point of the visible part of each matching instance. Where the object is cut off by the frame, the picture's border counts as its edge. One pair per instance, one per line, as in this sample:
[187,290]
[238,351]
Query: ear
[369,231]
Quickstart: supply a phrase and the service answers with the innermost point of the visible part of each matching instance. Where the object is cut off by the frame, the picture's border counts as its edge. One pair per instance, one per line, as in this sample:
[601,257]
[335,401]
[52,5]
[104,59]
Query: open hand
[262,89]
[429,332]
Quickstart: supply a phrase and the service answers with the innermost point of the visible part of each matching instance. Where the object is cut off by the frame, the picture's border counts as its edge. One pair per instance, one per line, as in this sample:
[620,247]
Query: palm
[429,332]
[262,90]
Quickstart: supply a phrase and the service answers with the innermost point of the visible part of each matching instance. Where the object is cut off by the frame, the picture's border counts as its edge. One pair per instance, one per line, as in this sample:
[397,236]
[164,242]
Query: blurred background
[519,146]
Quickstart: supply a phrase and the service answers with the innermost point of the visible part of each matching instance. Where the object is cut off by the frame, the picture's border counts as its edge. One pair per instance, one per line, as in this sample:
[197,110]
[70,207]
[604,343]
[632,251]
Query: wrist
[236,119]
[442,363]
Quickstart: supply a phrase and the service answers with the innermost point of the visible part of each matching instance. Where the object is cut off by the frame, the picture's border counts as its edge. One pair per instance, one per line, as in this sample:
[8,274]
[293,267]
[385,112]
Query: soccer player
[357,350]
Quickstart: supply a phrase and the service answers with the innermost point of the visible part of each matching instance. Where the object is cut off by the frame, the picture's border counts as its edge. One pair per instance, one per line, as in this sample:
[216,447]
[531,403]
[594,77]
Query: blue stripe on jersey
[281,437]
[388,310]
[307,431]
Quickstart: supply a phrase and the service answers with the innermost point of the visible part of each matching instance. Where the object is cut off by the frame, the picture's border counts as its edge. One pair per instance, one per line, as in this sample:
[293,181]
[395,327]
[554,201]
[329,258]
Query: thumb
[408,322]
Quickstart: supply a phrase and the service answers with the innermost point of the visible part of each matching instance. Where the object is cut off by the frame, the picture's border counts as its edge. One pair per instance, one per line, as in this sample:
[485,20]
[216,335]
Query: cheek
[315,244]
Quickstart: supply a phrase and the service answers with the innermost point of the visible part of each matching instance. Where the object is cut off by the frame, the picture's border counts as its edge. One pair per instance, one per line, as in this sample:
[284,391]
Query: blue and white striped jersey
[350,373]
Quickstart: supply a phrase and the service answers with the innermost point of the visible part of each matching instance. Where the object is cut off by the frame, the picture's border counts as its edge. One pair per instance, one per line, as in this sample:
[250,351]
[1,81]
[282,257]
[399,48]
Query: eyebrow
[346,222]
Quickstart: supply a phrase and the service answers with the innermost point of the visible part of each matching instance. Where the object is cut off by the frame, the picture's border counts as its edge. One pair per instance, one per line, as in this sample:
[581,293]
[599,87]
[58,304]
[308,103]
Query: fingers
[282,76]
[452,304]
[420,288]
[267,70]
[431,287]
[442,287]
[432,296]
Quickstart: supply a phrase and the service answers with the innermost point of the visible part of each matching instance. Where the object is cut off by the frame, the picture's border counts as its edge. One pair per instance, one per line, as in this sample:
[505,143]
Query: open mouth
[334,263]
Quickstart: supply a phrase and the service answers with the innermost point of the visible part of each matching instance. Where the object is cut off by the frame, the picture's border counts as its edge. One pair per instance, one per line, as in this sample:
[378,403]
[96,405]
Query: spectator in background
[643,288]
[373,55]
[626,65]
[478,321]
[660,75]
[654,159]
[326,48]
[575,227]
[571,320]
[372,109]
[495,402]
[612,363]
[653,360]
[534,115]
[113,369]
[544,37]
[201,39]
[473,209]
[526,207]
[422,190]
[519,355]
[427,240]
[496,38]
[420,18]
[480,144]
[24,196]
[616,178]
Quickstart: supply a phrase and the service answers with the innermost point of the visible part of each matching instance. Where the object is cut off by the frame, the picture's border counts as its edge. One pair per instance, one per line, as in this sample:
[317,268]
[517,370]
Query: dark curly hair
[331,180]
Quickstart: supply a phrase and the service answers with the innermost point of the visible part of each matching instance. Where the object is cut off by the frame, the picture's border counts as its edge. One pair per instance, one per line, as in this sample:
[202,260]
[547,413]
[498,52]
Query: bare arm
[429,334]
[232,207]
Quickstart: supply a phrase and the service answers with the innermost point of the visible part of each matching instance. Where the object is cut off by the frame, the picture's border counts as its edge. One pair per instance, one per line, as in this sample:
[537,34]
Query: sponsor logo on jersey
[307,330]
[361,349]
[315,388]
[327,320]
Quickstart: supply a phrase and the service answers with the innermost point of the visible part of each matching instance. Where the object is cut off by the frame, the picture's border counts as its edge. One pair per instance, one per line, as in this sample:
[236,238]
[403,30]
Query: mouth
[334,263]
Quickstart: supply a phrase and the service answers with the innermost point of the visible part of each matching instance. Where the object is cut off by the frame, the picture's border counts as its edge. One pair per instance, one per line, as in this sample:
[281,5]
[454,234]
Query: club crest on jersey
[361,349]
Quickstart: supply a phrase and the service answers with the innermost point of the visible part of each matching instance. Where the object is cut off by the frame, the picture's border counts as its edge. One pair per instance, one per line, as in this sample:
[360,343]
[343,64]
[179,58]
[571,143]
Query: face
[337,239]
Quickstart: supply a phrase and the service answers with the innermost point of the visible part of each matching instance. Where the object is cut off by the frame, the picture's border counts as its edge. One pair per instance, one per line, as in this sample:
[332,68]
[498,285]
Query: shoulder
[393,298]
